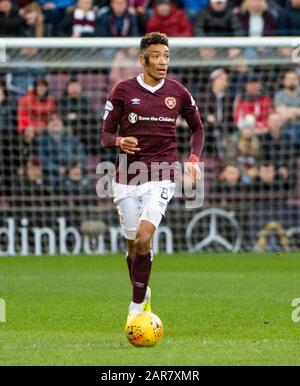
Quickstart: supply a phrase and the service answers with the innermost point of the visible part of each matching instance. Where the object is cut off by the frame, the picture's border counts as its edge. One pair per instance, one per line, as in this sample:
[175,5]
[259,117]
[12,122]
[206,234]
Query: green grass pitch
[217,309]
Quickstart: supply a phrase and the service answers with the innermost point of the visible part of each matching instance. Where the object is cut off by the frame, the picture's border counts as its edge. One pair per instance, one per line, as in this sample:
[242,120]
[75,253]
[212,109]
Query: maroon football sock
[129,264]
[140,273]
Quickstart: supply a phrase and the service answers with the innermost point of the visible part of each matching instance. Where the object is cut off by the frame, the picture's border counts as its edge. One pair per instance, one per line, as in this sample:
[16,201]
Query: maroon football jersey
[149,114]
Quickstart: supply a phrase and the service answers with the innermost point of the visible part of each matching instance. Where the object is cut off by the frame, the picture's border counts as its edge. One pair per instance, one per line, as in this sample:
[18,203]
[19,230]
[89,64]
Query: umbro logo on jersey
[109,106]
[132,118]
[135,101]
[170,102]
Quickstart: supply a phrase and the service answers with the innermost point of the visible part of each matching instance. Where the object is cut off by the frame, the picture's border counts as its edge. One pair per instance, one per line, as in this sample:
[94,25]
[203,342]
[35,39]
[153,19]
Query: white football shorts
[148,201]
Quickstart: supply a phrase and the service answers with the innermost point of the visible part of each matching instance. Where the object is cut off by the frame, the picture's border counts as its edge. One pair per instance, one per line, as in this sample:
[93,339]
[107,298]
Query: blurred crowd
[44,141]
[257,144]
[50,121]
[121,18]
[49,142]
[259,122]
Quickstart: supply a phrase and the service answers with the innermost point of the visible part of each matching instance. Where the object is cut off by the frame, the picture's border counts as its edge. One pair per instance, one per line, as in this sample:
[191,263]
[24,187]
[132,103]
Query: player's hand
[193,169]
[129,145]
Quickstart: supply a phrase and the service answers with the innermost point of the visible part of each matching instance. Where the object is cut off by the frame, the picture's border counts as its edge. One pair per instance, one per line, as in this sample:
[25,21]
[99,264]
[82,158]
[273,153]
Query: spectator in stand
[277,148]
[19,23]
[228,191]
[8,136]
[54,11]
[117,21]
[81,22]
[35,107]
[34,18]
[287,103]
[270,200]
[248,147]
[287,100]
[21,79]
[33,184]
[269,182]
[79,115]
[140,9]
[130,67]
[33,192]
[217,19]
[195,78]
[15,149]
[216,104]
[253,101]
[7,112]
[169,20]
[239,72]
[76,182]
[24,146]
[289,20]
[57,150]
[193,7]
[11,23]
[230,181]
[257,19]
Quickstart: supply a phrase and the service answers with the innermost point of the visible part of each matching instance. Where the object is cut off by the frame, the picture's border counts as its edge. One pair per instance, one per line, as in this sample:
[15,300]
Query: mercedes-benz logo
[214,237]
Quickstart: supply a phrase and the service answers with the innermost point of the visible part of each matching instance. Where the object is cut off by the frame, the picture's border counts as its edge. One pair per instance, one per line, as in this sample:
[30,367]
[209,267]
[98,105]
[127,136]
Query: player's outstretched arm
[191,114]
[196,145]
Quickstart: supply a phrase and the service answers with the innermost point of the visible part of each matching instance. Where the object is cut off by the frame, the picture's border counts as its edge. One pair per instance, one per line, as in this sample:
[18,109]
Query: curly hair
[154,38]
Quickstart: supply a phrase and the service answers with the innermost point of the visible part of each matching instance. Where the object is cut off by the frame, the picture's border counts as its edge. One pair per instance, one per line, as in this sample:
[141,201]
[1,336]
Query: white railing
[92,53]
[228,42]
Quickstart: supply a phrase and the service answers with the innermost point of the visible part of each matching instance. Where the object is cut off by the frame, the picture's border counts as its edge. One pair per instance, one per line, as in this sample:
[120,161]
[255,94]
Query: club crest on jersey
[170,102]
[132,118]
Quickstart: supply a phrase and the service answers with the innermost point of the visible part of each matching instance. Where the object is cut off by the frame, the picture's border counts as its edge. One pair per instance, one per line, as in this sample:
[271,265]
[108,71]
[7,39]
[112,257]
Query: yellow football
[144,330]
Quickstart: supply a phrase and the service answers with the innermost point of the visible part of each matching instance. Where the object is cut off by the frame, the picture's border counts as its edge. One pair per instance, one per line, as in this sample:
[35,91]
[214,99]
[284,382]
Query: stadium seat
[57,82]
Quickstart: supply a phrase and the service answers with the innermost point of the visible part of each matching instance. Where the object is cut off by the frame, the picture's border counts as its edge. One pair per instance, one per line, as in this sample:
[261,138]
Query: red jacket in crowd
[175,24]
[34,112]
[261,107]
